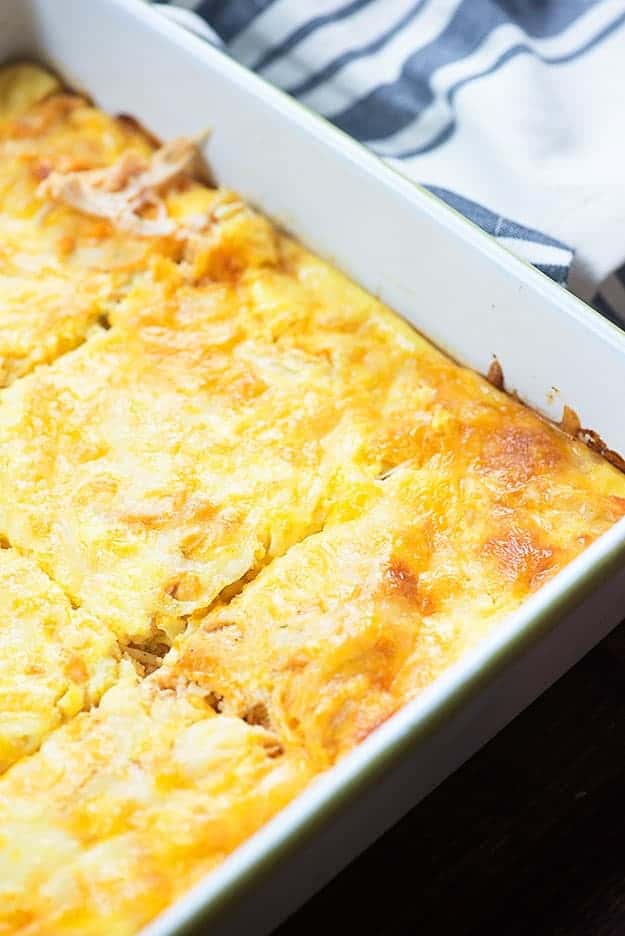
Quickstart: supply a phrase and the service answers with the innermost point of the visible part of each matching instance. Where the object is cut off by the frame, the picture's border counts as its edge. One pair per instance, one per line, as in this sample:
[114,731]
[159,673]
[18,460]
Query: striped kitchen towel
[509,110]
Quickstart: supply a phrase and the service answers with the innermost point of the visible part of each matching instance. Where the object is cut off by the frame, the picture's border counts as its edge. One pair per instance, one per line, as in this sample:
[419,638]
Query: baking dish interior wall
[462,291]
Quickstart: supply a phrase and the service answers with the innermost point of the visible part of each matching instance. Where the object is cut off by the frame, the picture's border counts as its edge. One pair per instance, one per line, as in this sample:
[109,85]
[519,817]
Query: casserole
[368,191]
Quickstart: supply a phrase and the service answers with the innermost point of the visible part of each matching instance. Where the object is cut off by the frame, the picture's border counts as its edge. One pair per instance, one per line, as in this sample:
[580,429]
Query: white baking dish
[464,292]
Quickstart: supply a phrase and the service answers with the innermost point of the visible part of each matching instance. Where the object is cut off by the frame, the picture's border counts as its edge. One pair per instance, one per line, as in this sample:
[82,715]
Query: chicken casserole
[246,513]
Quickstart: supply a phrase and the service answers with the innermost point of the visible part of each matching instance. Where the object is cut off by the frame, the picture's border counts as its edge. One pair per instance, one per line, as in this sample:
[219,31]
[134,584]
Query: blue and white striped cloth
[509,110]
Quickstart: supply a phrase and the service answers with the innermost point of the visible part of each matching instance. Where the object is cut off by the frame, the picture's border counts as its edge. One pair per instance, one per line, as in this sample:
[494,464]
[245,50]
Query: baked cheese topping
[351,623]
[70,264]
[246,513]
[54,660]
[128,805]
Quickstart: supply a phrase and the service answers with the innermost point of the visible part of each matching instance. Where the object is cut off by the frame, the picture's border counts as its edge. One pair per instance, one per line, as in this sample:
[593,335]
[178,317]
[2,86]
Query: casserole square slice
[332,638]
[127,806]
[60,269]
[146,474]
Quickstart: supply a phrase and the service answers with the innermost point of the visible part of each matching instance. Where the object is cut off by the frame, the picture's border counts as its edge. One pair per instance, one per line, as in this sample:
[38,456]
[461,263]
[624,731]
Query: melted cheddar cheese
[54,659]
[246,513]
[333,637]
[128,805]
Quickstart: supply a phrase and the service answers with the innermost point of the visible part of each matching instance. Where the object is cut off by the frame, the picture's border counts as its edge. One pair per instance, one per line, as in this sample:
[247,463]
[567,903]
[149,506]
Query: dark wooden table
[527,838]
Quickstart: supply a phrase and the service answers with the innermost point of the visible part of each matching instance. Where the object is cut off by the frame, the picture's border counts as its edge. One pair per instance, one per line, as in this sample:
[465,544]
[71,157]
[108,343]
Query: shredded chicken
[121,191]
[149,662]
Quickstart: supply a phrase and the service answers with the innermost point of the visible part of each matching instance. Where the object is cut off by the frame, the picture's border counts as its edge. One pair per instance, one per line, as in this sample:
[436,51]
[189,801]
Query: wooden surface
[526,838]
